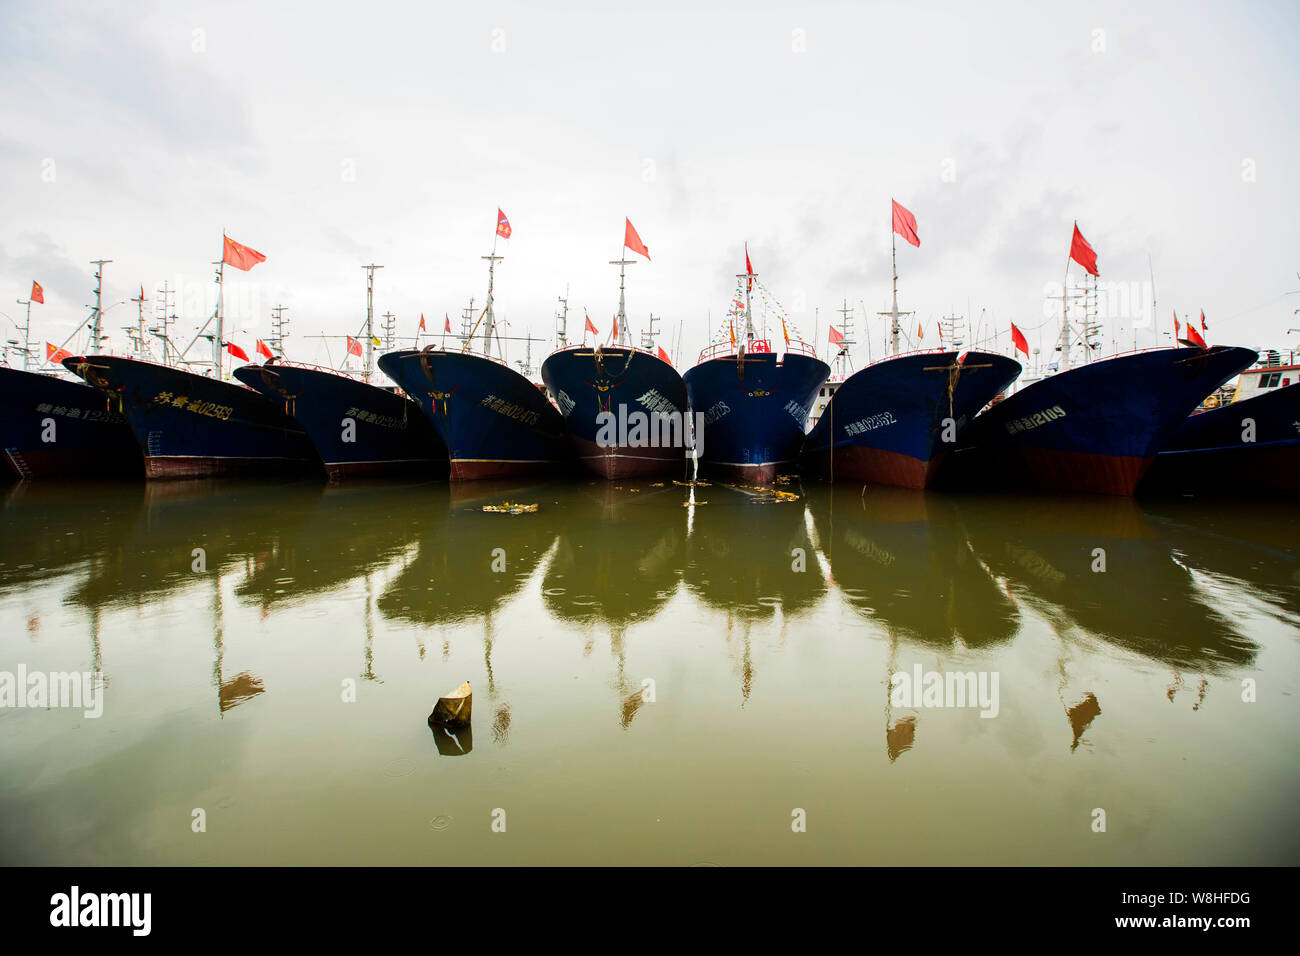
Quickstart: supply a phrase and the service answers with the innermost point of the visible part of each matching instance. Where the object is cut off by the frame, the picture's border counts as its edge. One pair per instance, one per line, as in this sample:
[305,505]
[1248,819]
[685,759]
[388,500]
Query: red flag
[239,256]
[1178,334]
[748,267]
[632,241]
[446,322]
[905,224]
[1019,341]
[1194,337]
[422,328]
[55,355]
[920,330]
[354,347]
[614,334]
[589,327]
[1083,253]
[1204,328]
[38,294]
[236,351]
[785,332]
[503,225]
[664,355]
[836,335]
[264,349]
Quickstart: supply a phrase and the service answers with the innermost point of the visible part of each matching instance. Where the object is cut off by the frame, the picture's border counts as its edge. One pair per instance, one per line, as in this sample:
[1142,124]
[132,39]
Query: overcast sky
[343,134]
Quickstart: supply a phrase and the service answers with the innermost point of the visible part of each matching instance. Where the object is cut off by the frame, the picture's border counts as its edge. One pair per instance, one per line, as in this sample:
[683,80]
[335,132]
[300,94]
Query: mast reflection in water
[661,674]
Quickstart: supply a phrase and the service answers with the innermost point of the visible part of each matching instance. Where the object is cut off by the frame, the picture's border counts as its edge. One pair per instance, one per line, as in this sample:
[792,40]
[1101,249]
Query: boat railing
[755,347]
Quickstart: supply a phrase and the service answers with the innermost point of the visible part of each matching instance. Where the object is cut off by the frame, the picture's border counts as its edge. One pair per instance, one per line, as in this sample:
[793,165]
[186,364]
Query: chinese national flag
[632,241]
[240,256]
[664,356]
[589,327]
[905,224]
[503,225]
[54,355]
[264,349]
[446,322]
[236,351]
[354,346]
[1204,328]
[1019,341]
[836,336]
[1083,253]
[1194,337]
[38,294]
[422,328]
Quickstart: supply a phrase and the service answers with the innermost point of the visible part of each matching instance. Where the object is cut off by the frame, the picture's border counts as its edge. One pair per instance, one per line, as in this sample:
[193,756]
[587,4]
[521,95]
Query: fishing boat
[751,406]
[1248,445]
[624,408]
[492,420]
[52,426]
[191,425]
[1094,427]
[358,428]
[895,421]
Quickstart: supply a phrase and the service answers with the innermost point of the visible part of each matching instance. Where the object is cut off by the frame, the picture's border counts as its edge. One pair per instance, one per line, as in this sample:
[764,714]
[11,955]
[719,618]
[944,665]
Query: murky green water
[768,684]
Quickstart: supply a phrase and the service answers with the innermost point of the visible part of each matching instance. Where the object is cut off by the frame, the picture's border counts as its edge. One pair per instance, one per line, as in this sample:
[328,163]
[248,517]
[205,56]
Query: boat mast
[489,325]
[27,334]
[390,326]
[278,326]
[98,315]
[749,276]
[624,338]
[139,323]
[893,314]
[843,361]
[164,320]
[370,320]
[219,315]
[562,320]
[648,336]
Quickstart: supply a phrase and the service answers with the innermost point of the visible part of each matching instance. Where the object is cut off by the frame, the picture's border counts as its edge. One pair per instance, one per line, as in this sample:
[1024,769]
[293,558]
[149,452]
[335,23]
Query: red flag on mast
[1178,333]
[38,294]
[1194,337]
[55,355]
[237,352]
[446,322]
[1204,328]
[238,255]
[905,224]
[836,335]
[354,347]
[264,349]
[503,225]
[632,241]
[749,270]
[664,356]
[589,327]
[1019,341]
[1083,253]
[422,328]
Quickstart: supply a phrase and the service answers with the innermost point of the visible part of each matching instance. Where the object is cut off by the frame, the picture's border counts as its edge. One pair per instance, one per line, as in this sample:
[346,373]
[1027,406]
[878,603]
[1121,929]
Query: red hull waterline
[877,466]
[477,469]
[166,467]
[340,470]
[618,462]
[759,473]
[1084,472]
[53,463]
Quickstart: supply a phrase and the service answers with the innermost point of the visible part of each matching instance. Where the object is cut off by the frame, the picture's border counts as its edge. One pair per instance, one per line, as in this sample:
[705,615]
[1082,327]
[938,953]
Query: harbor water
[661,674]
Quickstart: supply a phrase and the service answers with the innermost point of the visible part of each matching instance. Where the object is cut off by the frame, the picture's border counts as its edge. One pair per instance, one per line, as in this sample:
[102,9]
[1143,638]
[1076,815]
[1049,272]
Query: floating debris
[656,484]
[692,504]
[765,495]
[453,710]
[691,484]
[511,508]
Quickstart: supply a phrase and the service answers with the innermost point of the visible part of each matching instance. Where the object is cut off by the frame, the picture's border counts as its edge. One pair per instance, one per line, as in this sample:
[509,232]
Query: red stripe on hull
[877,466]
[763,473]
[618,462]
[479,469]
[341,470]
[168,467]
[52,463]
[1083,472]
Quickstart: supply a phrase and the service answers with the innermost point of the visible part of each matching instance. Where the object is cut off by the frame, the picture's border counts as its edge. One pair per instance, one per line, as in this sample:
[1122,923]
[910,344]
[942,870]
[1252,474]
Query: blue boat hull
[493,422]
[51,427]
[754,411]
[191,426]
[1093,429]
[887,424]
[621,381]
[1251,447]
[358,429]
